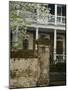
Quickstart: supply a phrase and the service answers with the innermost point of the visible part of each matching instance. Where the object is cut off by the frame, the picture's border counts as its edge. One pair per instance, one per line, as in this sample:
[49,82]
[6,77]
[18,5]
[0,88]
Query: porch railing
[60,58]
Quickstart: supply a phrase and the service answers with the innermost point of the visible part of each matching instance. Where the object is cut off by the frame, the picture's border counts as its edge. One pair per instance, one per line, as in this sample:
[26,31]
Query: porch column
[54,45]
[64,49]
[36,33]
[55,34]
[55,14]
[36,38]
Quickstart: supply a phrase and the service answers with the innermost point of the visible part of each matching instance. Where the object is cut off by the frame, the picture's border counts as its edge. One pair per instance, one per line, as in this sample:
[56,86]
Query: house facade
[51,26]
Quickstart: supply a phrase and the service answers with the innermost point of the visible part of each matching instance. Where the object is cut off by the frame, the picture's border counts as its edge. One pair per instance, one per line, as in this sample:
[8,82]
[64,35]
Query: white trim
[62,28]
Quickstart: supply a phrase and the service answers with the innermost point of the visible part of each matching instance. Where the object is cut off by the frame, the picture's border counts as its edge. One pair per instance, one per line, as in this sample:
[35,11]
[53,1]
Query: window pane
[25,44]
[59,47]
[52,8]
[64,10]
[59,11]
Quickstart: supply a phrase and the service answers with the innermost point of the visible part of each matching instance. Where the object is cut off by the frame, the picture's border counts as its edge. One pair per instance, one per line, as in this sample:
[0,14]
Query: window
[25,44]
[51,8]
[64,10]
[59,47]
[59,44]
[61,10]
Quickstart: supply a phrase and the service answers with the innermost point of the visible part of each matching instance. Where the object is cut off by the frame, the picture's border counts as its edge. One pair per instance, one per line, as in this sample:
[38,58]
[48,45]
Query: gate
[43,57]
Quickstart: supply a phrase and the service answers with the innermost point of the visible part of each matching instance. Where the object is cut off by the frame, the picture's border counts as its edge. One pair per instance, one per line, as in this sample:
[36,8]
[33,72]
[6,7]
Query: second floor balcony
[48,19]
[45,19]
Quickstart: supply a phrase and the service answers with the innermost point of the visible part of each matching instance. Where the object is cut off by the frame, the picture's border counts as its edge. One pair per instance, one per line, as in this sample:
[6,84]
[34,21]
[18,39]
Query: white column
[55,34]
[37,27]
[36,33]
[64,48]
[55,14]
[54,44]
[36,38]
[37,21]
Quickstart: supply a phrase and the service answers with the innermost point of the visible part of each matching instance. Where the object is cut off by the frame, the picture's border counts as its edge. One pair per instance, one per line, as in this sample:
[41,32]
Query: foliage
[18,13]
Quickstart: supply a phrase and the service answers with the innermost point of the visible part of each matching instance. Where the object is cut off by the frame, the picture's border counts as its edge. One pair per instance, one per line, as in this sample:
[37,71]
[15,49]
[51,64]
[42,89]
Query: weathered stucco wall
[30,41]
[43,53]
[26,71]
[30,72]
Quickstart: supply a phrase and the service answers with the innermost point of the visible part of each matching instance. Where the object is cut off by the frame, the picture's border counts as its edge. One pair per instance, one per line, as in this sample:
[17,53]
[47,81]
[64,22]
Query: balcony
[33,18]
[42,19]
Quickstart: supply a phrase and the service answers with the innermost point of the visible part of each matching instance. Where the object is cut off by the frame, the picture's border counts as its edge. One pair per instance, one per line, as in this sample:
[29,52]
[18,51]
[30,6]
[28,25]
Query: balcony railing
[51,19]
[31,18]
[61,20]
[60,58]
[42,19]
